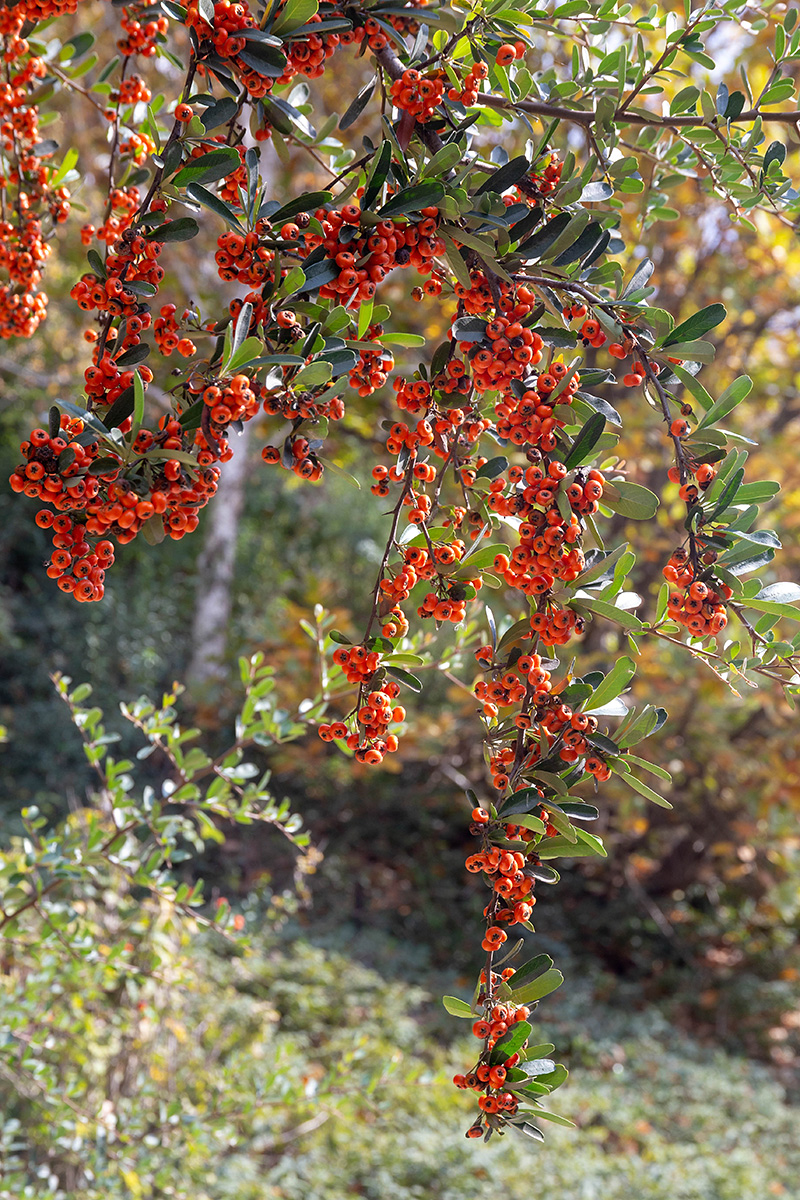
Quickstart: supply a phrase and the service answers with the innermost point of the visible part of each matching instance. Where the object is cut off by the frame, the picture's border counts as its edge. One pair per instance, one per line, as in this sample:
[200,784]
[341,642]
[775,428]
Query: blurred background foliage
[681,949]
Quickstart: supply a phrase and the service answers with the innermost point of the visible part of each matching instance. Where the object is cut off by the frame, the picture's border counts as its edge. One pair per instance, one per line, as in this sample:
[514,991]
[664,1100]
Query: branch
[588,116]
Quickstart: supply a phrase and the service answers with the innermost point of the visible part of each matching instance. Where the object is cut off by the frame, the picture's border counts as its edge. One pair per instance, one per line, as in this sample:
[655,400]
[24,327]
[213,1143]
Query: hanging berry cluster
[494,437]
[31,204]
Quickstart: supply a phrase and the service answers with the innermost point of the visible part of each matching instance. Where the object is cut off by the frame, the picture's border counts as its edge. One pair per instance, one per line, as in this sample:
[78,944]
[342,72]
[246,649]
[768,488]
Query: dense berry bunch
[490,437]
[367,732]
[365,256]
[30,203]
[143,24]
[700,606]
[419,95]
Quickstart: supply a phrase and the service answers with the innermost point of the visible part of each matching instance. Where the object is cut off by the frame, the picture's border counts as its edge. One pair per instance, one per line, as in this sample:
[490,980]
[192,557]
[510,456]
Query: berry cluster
[504,871]
[542,182]
[373,366]
[419,95]
[700,607]
[468,92]
[376,709]
[87,479]
[28,198]
[132,270]
[544,726]
[365,256]
[142,29]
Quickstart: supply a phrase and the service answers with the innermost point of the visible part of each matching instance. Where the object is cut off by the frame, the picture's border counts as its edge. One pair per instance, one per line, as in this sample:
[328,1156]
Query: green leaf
[471,564]
[696,325]
[586,440]
[313,375]
[208,168]
[528,821]
[538,988]
[405,677]
[640,727]
[621,616]
[402,339]
[696,351]
[555,1078]
[559,847]
[457,1008]
[756,493]
[70,159]
[138,405]
[443,160]
[728,493]
[594,843]
[302,204]
[245,355]
[644,790]
[613,685]
[599,568]
[182,230]
[693,385]
[293,14]
[412,199]
[558,1120]
[730,398]
[630,500]
[511,1042]
[337,470]
[200,195]
[777,599]
[653,768]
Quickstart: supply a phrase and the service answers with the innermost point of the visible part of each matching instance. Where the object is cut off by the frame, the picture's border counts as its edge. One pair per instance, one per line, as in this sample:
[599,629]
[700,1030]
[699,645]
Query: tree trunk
[215,569]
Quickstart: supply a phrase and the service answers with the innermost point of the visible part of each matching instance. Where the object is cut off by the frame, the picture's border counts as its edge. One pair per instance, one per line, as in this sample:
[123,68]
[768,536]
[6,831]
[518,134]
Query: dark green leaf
[583,244]
[511,1042]
[406,677]
[305,203]
[219,113]
[136,354]
[199,194]
[355,109]
[182,230]
[696,325]
[412,199]
[506,176]
[532,969]
[469,329]
[208,168]
[96,263]
[493,467]
[543,239]
[586,440]
[263,59]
